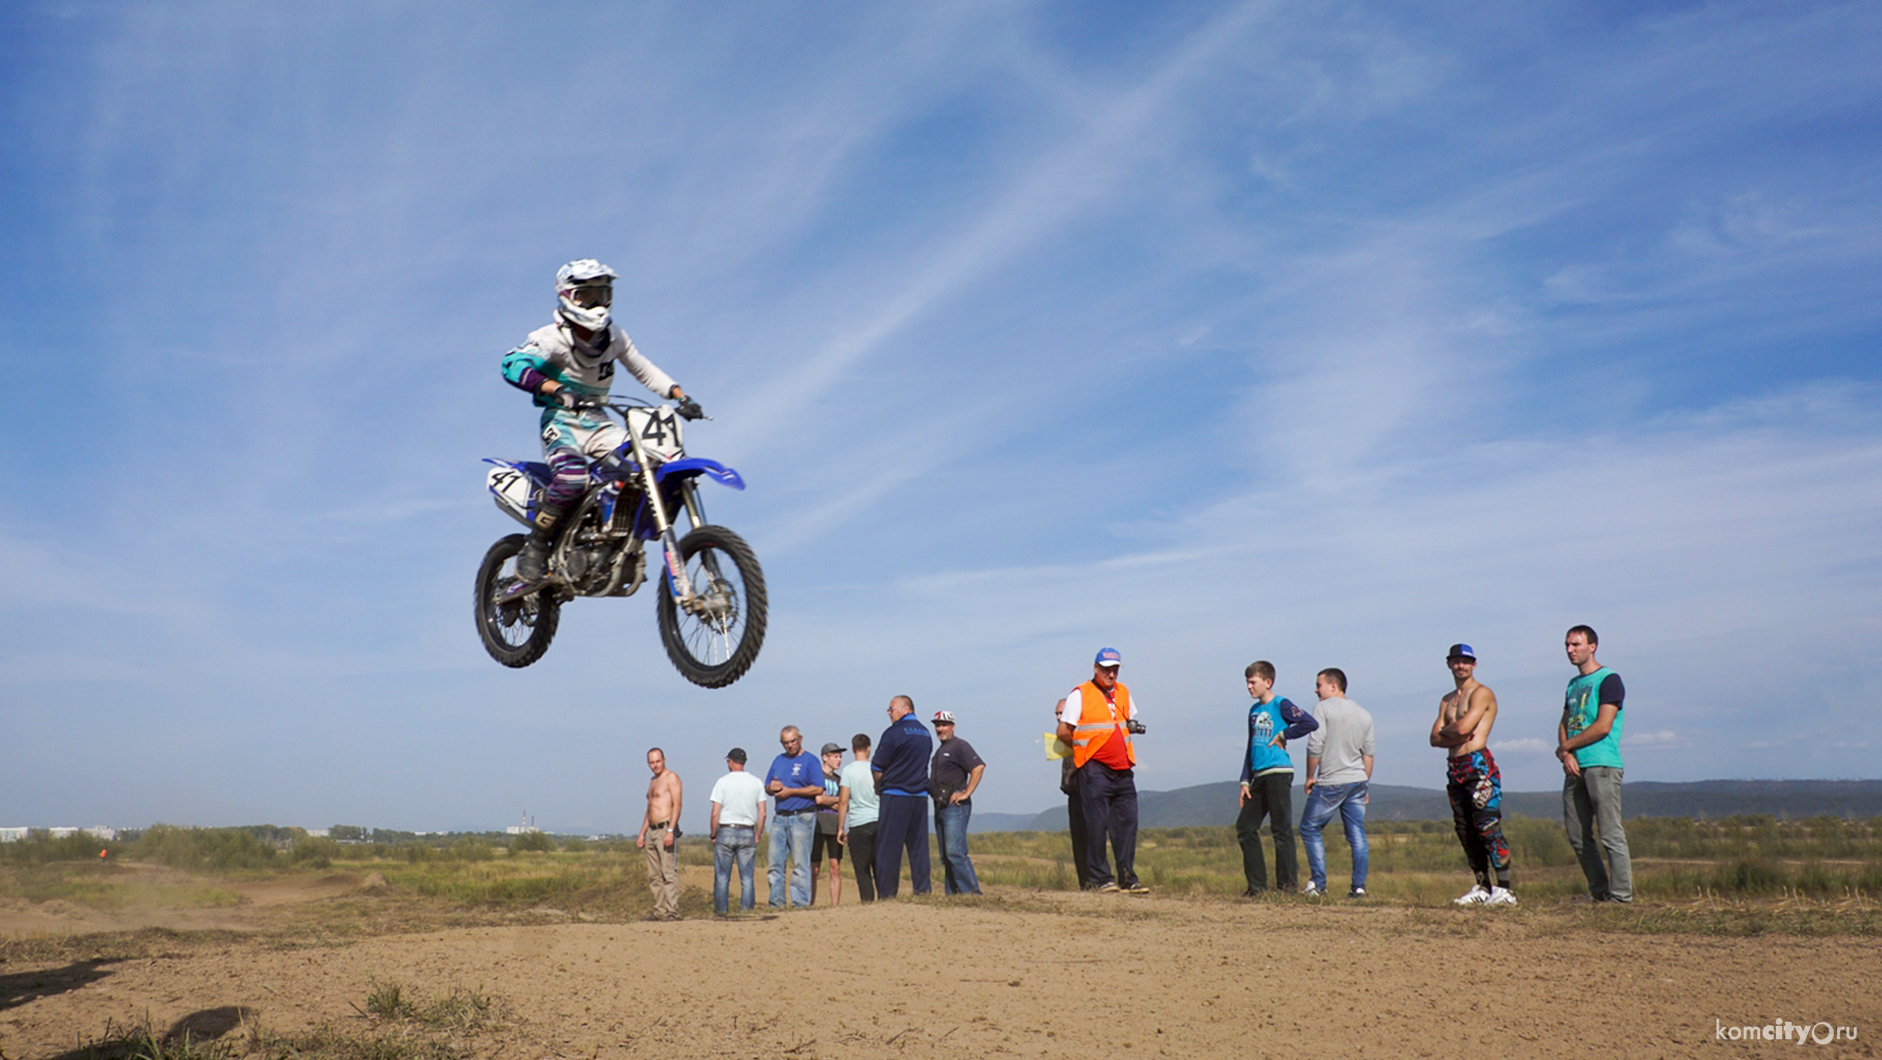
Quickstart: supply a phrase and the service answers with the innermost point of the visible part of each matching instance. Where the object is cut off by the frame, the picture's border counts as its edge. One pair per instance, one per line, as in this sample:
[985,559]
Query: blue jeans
[792,834]
[735,842]
[1322,801]
[950,830]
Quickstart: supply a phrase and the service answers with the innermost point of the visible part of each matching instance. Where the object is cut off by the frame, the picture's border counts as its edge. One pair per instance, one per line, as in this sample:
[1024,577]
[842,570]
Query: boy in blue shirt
[1268,780]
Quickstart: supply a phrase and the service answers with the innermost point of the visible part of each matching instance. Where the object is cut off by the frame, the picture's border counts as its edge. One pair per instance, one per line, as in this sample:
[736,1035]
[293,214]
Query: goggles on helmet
[590,295]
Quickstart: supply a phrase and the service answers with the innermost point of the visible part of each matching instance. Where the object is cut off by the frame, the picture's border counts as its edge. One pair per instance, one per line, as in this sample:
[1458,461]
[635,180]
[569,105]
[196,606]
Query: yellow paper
[1055,747]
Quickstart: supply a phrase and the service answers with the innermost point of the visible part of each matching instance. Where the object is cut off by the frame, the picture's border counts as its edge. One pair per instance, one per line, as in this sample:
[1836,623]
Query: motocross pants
[570,440]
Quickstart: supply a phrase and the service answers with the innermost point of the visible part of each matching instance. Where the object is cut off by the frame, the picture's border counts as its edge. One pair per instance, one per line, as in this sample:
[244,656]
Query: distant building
[97,831]
[318,833]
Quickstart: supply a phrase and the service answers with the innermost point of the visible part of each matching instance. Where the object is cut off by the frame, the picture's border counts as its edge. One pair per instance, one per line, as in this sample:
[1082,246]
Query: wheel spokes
[513,622]
[710,630]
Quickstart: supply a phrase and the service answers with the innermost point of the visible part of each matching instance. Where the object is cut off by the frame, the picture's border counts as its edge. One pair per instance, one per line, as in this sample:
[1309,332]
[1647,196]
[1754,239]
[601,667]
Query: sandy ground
[1013,974]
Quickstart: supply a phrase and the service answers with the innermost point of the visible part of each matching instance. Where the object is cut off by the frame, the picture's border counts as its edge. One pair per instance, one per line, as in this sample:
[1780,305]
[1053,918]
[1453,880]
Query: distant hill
[1214,804]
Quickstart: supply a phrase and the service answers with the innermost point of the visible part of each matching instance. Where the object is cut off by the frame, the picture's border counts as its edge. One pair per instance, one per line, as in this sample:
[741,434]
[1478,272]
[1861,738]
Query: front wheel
[714,642]
[516,633]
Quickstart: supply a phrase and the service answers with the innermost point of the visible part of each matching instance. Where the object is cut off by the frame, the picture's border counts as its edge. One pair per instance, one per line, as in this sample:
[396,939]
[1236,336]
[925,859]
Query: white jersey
[590,368]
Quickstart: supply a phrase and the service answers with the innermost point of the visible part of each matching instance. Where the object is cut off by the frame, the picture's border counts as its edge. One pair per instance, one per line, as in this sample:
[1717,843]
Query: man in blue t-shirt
[795,781]
[900,768]
[1588,743]
[1268,781]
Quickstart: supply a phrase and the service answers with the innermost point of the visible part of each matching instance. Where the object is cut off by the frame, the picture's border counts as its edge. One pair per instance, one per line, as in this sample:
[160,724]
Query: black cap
[832,749]
[1462,651]
[736,754]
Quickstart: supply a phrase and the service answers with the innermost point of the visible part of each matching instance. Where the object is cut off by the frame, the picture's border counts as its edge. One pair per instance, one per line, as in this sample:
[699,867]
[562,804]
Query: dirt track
[959,978]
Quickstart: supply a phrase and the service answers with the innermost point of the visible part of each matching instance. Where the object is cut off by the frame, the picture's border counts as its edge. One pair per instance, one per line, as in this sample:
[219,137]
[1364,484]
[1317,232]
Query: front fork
[676,565]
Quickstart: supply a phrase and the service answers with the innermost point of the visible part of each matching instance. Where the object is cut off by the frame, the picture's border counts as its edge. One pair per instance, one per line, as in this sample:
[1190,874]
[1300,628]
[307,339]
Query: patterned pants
[1476,791]
[569,441]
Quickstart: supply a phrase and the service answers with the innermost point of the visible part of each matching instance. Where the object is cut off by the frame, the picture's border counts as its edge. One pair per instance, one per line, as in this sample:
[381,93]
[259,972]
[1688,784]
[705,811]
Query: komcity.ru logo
[1783,1031]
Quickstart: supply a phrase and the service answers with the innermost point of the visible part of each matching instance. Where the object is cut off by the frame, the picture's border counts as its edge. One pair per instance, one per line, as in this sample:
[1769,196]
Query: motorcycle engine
[588,565]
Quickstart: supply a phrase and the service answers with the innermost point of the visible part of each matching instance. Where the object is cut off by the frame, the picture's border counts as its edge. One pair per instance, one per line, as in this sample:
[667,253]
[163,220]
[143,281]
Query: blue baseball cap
[1108,657]
[1462,651]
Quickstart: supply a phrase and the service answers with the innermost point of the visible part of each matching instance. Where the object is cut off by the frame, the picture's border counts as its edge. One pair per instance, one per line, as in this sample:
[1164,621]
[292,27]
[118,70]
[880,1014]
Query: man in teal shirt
[1588,743]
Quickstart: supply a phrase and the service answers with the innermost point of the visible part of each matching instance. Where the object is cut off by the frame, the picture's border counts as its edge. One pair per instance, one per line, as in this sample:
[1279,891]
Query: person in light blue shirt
[856,809]
[1268,781]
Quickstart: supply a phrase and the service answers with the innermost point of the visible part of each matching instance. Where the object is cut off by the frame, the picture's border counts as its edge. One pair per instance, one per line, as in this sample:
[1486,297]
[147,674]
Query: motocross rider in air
[569,366]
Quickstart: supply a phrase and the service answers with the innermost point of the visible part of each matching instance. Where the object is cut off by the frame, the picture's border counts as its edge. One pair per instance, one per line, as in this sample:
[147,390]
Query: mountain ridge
[1214,804]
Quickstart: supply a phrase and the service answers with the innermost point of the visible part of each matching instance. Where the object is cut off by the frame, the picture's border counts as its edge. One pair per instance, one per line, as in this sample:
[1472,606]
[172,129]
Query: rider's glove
[689,409]
[565,397]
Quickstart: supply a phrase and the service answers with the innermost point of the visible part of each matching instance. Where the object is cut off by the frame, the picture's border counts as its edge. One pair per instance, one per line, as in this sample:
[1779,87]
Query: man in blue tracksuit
[1268,780]
[900,768]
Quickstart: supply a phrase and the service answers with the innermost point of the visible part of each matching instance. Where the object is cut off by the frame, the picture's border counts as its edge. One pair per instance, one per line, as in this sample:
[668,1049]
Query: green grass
[458,1009]
[1806,867]
[107,886]
[1421,862]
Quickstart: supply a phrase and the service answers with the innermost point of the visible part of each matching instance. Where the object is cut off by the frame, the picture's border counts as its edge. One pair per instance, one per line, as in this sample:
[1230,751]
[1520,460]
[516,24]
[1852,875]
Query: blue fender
[695,465]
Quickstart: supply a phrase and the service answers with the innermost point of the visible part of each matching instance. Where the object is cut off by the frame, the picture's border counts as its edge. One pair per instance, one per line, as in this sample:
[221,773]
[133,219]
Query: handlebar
[686,408]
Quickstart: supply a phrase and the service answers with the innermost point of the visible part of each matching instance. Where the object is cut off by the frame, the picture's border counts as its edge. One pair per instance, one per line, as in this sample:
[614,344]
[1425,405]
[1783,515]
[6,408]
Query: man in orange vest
[1098,719]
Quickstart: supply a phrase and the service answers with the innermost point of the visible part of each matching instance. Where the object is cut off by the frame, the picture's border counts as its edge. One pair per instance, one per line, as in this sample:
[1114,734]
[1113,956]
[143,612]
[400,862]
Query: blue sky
[1324,333]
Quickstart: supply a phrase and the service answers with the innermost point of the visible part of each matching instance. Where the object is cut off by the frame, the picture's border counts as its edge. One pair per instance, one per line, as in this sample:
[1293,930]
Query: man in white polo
[738,819]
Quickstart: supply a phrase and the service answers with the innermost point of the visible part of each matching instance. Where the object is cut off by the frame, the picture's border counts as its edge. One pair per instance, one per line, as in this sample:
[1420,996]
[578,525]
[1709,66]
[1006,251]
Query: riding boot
[532,561]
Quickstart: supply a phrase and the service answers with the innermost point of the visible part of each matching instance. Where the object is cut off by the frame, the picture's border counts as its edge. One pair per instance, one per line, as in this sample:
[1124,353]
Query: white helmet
[584,291]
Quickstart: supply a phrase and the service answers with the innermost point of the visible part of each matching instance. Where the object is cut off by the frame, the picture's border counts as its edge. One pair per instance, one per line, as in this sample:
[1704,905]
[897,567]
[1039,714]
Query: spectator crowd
[876,810]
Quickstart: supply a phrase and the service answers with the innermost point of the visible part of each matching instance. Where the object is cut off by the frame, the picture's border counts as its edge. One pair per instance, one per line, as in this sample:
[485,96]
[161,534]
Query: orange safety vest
[1098,720]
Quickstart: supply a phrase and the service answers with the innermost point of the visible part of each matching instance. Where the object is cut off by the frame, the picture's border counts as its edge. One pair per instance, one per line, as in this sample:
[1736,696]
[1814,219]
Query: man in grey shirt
[1339,767]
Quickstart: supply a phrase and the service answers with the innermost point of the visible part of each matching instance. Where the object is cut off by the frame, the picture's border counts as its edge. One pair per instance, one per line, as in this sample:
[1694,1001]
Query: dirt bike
[711,604]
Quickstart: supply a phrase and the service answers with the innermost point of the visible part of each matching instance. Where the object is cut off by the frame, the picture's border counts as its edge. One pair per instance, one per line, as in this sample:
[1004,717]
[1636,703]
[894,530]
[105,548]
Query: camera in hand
[1135,727]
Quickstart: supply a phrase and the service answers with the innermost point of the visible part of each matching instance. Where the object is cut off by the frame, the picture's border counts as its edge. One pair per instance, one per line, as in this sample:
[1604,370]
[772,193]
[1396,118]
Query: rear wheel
[518,632]
[714,644]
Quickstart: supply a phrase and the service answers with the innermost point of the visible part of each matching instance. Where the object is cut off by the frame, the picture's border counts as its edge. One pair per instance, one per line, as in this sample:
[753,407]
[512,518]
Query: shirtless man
[1474,785]
[663,821]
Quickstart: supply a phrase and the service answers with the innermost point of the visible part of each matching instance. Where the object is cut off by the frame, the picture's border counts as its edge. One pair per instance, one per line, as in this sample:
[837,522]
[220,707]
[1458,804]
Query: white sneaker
[1475,896]
[1310,891]
[1500,896]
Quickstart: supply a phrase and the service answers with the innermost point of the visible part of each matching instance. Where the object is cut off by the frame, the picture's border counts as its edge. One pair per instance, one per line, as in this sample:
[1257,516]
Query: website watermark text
[1820,1033]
